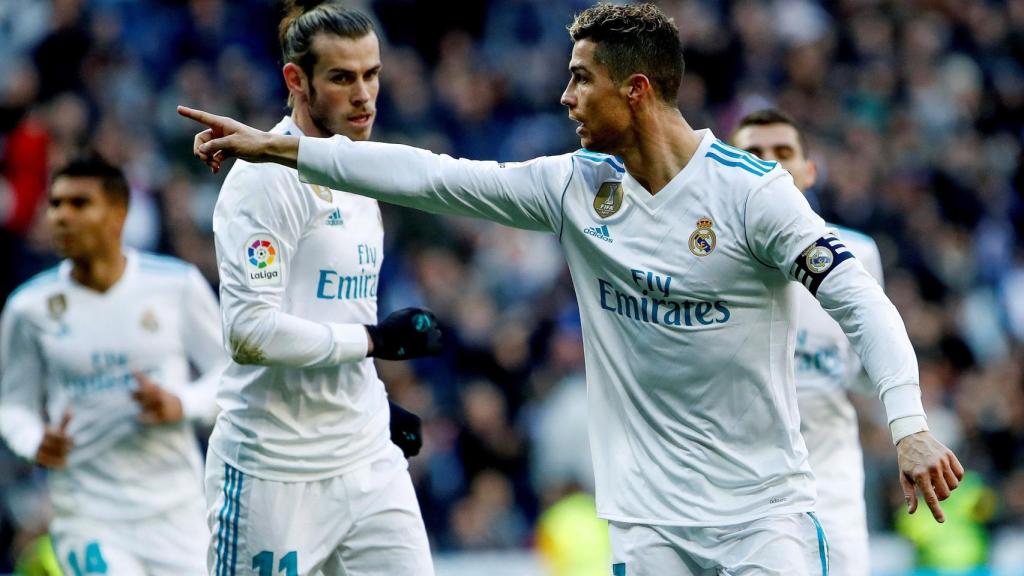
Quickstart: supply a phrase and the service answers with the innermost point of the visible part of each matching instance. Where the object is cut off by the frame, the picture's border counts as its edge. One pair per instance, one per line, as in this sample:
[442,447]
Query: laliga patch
[811,267]
[263,261]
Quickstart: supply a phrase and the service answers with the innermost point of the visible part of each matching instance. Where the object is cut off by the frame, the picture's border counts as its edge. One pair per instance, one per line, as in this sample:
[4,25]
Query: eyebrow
[577,68]
[350,71]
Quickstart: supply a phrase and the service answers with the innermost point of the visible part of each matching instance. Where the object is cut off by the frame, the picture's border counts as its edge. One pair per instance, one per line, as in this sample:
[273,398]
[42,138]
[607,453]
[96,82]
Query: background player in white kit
[681,250]
[302,477]
[826,365]
[101,345]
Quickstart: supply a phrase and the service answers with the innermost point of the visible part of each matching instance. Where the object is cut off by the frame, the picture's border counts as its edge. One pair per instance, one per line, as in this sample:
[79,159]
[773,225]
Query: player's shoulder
[739,167]
[39,287]
[597,166]
[250,178]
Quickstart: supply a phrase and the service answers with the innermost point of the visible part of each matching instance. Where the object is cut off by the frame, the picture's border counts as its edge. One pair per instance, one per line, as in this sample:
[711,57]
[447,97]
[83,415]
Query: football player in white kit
[302,476]
[681,250]
[101,345]
[826,366]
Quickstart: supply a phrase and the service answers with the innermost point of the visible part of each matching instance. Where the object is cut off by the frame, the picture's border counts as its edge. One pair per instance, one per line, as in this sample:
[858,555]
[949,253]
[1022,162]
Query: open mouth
[361,119]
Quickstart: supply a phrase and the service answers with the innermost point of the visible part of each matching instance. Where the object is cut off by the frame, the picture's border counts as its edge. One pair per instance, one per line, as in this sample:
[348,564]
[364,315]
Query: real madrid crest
[149,322]
[703,240]
[608,199]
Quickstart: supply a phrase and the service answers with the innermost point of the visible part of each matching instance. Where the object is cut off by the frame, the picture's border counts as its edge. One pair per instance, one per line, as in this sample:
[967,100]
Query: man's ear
[812,172]
[295,79]
[638,87]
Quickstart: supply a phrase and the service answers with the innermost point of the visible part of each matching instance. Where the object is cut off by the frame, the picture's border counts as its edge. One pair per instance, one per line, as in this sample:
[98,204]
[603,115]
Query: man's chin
[356,132]
[593,146]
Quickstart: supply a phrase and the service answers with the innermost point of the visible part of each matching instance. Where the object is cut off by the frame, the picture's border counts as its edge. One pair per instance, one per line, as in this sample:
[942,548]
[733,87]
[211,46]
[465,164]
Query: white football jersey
[298,267]
[827,367]
[685,307]
[67,347]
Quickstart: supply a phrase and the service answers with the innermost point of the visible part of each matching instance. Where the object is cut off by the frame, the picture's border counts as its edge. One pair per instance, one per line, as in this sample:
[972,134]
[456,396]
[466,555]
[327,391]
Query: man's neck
[99,273]
[302,119]
[663,143]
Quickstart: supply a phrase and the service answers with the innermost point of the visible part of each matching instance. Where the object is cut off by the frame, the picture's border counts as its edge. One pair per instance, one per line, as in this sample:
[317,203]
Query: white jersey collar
[131,256]
[287,126]
[650,203]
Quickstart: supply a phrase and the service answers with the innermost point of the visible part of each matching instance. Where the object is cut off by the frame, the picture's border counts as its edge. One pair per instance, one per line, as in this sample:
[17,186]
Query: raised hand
[53,450]
[156,405]
[225,138]
[930,467]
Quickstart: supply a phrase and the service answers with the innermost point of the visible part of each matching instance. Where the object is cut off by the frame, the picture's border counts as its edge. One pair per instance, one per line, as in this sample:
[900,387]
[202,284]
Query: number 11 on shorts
[264,563]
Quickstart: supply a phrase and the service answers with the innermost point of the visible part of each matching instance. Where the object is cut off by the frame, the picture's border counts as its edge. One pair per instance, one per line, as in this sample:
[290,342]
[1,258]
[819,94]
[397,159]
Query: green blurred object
[38,559]
[572,540]
[961,542]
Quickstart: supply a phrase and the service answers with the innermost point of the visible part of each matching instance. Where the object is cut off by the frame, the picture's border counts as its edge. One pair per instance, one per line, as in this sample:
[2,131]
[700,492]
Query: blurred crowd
[914,112]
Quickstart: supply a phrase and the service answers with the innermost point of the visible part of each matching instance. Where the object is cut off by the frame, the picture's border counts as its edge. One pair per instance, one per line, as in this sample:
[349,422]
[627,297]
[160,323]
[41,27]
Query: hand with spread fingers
[157,405]
[228,138]
[930,467]
[53,450]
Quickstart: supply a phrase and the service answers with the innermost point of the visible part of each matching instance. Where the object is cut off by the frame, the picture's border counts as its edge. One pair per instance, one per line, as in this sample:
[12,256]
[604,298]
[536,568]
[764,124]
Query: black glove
[406,430]
[407,333]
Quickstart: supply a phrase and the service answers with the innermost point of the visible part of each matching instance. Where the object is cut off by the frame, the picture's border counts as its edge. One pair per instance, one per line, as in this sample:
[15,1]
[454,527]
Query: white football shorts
[363,523]
[172,544]
[785,545]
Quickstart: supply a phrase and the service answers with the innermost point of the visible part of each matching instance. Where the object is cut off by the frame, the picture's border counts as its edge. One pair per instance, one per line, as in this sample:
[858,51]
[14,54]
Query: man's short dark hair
[768,117]
[92,165]
[634,39]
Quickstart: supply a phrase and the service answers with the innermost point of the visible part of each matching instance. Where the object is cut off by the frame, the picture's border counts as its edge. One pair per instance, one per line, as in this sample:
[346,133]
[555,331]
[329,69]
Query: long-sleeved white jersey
[298,268]
[686,312]
[827,368]
[66,347]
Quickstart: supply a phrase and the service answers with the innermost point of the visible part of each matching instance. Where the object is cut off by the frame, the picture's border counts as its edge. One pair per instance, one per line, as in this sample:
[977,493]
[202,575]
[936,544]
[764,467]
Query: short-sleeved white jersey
[299,265]
[66,347]
[827,368]
[686,312]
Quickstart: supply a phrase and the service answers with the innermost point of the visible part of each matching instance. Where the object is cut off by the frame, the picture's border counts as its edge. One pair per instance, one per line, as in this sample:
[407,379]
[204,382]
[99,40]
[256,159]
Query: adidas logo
[335,218]
[599,232]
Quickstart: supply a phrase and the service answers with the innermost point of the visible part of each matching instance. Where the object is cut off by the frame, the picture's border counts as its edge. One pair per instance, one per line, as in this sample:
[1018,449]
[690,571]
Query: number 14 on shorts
[263,563]
[94,562]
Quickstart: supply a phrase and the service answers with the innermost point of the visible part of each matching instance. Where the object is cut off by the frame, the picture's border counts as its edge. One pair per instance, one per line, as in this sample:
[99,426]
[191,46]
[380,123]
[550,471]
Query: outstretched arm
[785,233]
[520,194]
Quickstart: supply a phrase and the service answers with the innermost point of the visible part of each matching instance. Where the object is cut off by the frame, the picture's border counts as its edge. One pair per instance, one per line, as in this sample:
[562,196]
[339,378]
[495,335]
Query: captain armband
[818,261]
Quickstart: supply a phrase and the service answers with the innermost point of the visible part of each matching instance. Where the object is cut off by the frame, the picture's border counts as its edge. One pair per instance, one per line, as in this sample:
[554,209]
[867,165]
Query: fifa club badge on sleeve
[149,322]
[703,240]
[608,199]
[56,305]
[325,194]
[262,260]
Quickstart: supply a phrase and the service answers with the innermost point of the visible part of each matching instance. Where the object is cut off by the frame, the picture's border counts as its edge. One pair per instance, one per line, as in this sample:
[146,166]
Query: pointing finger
[211,120]
[924,482]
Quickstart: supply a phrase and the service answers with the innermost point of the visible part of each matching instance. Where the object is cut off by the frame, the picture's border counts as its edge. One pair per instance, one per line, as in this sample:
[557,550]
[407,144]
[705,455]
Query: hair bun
[293,9]
[299,7]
